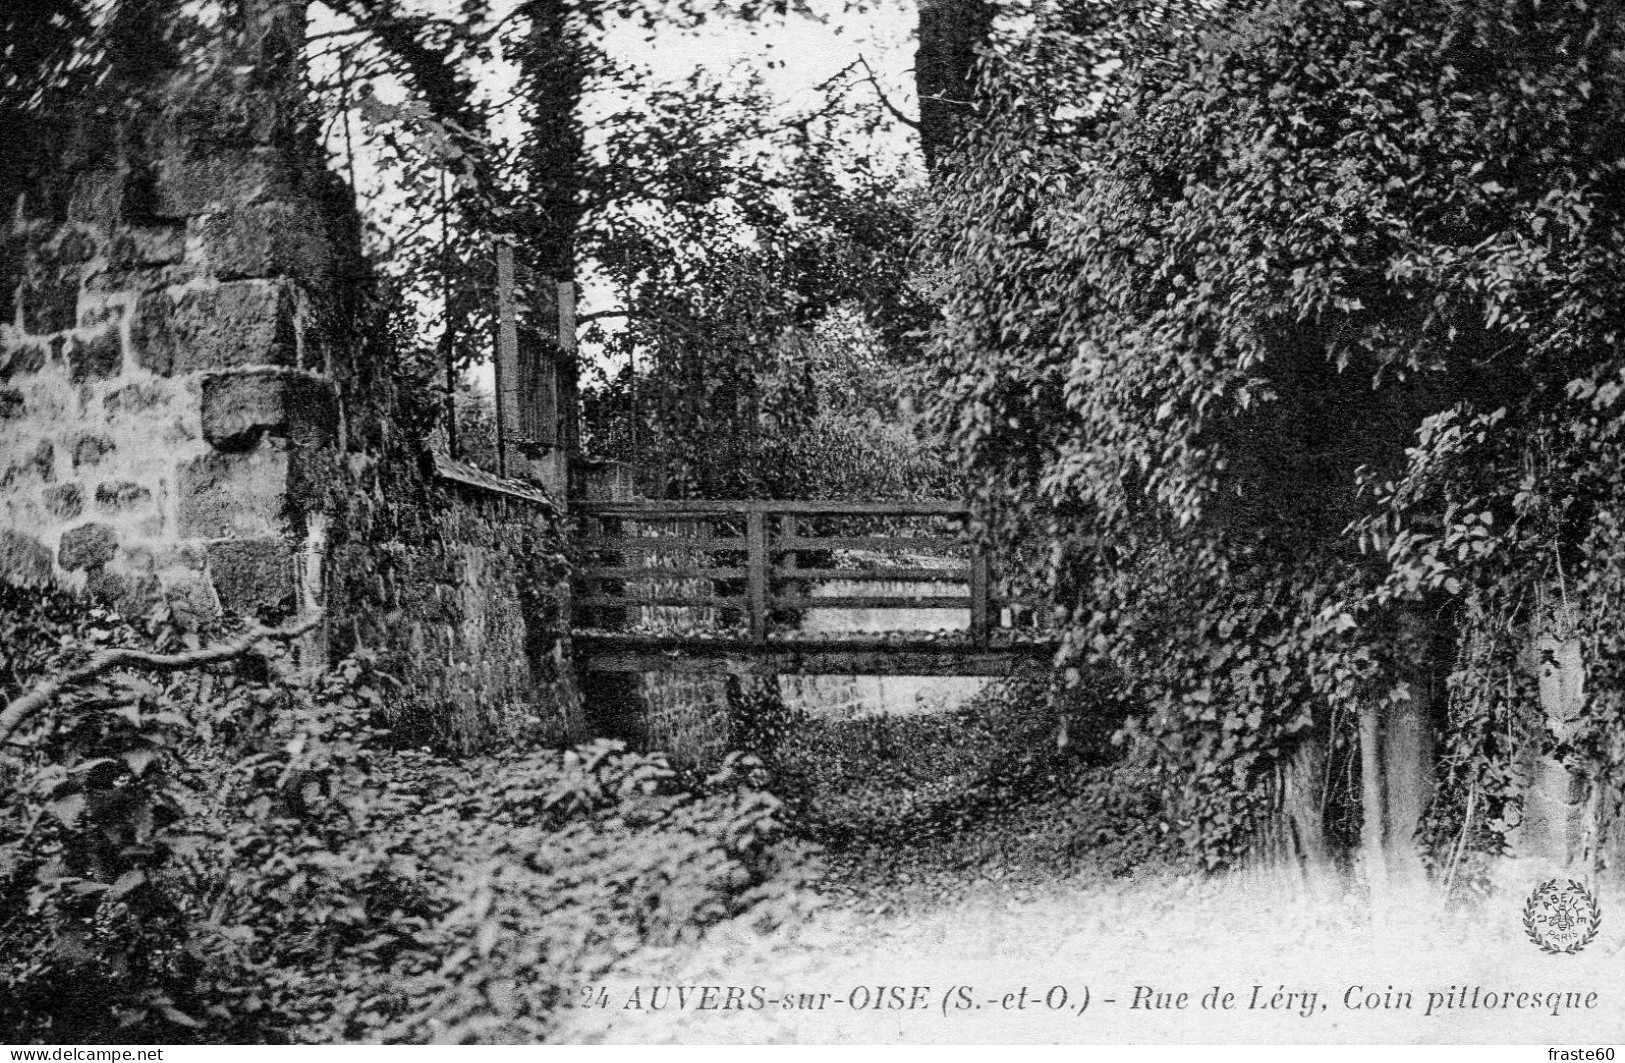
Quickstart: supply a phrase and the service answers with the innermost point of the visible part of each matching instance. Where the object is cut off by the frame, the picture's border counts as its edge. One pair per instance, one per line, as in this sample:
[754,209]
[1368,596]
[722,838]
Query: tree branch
[599,315]
[432,70]
[884,99]
[413,22]
[123,657]
[829,82]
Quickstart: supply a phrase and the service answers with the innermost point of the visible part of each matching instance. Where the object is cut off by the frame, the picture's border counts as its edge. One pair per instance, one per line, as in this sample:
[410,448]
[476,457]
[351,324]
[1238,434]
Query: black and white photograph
[812,522]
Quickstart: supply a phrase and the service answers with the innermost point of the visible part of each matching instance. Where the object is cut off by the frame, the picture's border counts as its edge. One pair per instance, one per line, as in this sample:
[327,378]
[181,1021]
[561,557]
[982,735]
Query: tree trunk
[1373,833]
[950,33]
[1294,841]
[1559,813]
[552,65]
[1397,750]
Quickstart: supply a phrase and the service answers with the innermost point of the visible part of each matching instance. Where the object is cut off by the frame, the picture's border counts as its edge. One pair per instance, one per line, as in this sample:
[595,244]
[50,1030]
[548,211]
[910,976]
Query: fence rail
[744,557]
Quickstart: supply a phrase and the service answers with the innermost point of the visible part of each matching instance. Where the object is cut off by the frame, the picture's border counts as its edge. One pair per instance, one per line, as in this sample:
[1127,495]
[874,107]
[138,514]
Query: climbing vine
[1297,346]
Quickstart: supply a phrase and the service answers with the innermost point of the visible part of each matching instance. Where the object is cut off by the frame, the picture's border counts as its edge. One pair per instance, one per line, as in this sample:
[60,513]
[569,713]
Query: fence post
[507,358]
[756,572]
[978,594]
[789,529]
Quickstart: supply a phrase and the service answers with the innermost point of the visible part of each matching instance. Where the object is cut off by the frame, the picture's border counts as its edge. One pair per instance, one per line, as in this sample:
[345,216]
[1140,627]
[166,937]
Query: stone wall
[457,580]
[845,697]
[200,401]
[690,717]
[163,374]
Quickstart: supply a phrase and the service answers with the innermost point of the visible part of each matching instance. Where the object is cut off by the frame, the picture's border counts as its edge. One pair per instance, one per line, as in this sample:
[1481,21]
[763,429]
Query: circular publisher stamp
[1561,916]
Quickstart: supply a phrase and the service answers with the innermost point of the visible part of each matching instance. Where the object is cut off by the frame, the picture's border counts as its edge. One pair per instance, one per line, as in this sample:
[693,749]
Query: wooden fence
[753,561]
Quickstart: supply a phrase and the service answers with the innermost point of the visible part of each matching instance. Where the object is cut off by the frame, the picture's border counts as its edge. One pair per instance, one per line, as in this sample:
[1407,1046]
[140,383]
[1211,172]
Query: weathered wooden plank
[978,596]
[598,572]
[818,643]
[876,575]
[631,653]
[872,601]
[789,528]
[698,601]
[507,357]
[897,544]
[672,544]
[756,578]
[469,476]
[660,510]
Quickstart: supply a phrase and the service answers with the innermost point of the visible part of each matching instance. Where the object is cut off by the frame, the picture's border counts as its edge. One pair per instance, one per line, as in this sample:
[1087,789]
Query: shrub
[1290,330]
[1021,777]
[239,853]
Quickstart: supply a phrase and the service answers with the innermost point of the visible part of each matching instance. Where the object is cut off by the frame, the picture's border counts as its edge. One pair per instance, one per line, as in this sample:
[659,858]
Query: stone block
[183,556]
[23,558]
[95,314]
[118,496]
[189,596]
[250,574]
[74,247]
[108,279]
[126,594]
[87,546]
[152,340]
[268,241]
[233,495]
[96,198]
[140,557]
[40,463]
[139,204]
[240,408]
[179,431]
[90,449]
[96,358]
[134,246]
[64,501]
[234,114]
[51,304]
[238,323]
[187,185]
[24,358]
[134,398]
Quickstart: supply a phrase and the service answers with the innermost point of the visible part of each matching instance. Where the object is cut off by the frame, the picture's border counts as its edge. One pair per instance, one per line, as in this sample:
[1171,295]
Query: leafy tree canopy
[1311,318]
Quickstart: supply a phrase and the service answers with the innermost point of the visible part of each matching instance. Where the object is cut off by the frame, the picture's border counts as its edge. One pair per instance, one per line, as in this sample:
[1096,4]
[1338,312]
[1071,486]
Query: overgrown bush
[1291,329]
[239,853]
[100,813]
[1018,781]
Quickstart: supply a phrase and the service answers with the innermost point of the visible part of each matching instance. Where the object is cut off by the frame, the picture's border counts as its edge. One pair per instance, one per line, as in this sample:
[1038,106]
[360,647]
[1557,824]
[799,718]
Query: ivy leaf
[139,759]
[68,809]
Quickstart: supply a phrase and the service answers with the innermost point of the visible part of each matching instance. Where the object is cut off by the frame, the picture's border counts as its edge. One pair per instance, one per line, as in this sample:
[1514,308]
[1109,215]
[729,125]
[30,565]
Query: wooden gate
[744,573]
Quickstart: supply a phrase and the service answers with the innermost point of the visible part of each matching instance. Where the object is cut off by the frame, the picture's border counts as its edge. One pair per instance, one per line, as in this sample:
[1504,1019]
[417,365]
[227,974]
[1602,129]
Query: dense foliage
[764,282]
[921,807]
[1299,348]
[722,229]
[242,855]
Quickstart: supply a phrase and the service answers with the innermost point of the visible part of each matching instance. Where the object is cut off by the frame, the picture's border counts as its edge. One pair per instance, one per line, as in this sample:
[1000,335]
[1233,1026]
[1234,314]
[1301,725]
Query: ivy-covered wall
[459,581]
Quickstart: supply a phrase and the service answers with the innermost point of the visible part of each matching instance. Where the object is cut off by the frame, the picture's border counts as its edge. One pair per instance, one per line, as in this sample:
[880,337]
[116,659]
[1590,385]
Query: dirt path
[982,886]
[849,974]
